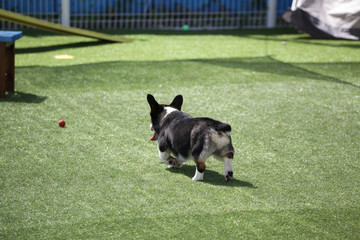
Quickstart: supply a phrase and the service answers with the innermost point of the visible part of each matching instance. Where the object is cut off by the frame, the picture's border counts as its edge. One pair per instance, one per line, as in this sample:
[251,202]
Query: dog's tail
[222,127]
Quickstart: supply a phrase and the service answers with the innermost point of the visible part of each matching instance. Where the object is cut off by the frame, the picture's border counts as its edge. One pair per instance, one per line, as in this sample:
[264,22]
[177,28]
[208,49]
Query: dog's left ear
[177,102]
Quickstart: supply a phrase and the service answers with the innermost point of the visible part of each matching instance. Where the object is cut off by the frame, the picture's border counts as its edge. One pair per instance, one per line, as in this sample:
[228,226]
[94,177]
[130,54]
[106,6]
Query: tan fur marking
[202,165]
[229,155]
[220,138]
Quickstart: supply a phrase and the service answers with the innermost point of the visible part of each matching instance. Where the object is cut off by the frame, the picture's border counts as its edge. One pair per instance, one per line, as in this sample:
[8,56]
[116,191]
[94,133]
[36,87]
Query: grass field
[293,103]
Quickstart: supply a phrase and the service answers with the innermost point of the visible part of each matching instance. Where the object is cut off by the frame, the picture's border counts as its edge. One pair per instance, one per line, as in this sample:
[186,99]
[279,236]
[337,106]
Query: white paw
[198,176]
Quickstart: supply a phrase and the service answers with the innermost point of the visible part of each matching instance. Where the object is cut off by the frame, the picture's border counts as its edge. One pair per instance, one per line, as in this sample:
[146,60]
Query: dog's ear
[177,102]
[152,102]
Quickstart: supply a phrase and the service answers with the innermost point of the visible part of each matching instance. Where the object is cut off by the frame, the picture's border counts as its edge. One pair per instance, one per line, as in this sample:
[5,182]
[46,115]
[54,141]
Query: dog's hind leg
[198,154]
[228,165]
[199,172]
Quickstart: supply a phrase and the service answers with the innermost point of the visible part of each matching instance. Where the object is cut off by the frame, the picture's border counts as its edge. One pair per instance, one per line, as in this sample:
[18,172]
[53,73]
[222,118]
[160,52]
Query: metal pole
[65,12]
[271,14]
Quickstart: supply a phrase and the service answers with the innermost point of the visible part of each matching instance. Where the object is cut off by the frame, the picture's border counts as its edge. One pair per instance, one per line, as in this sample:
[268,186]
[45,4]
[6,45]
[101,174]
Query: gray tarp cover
[327,18]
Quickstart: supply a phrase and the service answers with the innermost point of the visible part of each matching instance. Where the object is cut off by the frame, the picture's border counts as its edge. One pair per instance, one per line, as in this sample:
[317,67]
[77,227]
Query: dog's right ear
[177,102]
[152,102]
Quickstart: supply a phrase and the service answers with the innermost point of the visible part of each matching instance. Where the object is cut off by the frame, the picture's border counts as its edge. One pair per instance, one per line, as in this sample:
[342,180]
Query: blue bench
[7,60]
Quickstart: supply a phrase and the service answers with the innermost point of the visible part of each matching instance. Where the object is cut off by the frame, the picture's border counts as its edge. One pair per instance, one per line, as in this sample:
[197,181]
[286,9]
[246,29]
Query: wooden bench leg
[2,69]
[7,68]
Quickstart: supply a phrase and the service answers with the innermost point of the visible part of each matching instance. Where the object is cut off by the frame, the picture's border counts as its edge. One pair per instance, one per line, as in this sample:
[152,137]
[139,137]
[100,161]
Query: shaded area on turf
[211,177]
[121,74]
[22,97]
[269,64]
[59,46]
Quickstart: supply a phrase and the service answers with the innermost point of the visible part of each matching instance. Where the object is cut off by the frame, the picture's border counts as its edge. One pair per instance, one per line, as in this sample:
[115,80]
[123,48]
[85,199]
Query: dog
[187,137]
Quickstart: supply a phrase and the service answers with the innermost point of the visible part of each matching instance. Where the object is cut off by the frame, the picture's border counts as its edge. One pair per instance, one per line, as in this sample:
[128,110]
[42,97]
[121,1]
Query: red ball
[62,123]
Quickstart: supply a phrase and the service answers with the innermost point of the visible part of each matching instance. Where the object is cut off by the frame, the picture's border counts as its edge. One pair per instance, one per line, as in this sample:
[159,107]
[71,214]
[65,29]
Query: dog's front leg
[165,155]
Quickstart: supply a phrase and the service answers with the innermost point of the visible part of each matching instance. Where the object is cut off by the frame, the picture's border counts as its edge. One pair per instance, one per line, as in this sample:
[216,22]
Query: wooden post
[10,81]
[7,68]
[2,70]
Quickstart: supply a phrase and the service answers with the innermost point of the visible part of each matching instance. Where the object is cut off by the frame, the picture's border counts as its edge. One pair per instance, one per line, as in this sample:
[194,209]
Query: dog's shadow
[211,177]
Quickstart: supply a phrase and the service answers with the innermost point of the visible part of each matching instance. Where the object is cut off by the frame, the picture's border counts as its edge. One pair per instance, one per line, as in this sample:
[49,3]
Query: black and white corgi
[187,138]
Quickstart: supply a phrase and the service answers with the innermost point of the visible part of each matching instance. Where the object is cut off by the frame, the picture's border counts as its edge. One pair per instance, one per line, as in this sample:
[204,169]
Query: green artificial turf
[293,104]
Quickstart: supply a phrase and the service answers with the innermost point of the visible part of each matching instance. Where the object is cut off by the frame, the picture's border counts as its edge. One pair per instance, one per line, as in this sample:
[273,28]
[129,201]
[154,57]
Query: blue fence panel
[150,14]
[31,7]
[140,6]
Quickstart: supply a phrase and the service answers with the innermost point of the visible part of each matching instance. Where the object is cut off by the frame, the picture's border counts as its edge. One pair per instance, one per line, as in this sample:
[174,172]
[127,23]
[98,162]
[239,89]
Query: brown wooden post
[3,67]
[10,80]
[7,68]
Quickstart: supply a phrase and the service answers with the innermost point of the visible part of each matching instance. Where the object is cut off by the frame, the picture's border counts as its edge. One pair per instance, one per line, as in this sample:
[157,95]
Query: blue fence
[31,7]
[151,14]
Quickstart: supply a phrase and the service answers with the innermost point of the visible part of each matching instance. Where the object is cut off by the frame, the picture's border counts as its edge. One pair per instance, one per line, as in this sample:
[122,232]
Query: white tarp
[327,18]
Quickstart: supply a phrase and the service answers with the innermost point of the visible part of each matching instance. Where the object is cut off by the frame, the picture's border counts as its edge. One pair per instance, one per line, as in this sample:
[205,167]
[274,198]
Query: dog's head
[159,111]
